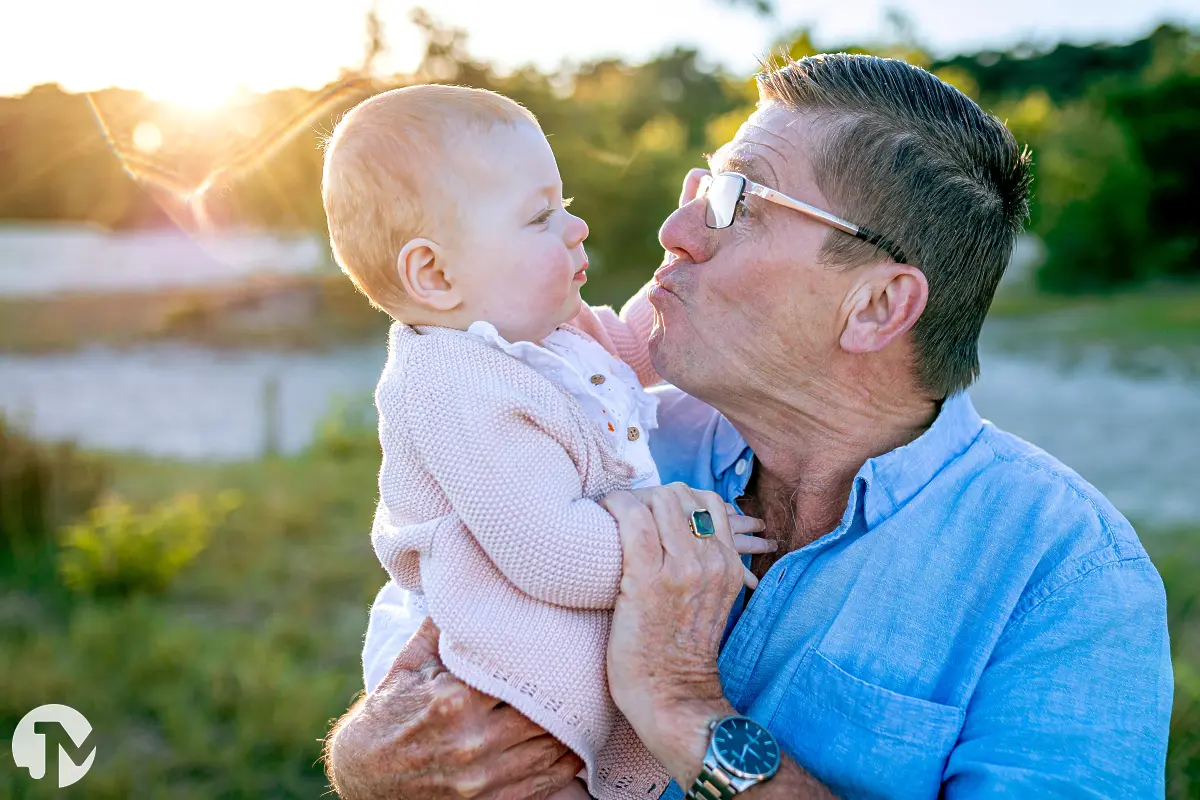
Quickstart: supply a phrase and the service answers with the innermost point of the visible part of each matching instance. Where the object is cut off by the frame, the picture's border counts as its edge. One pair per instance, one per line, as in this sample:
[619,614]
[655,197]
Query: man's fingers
[450,698]
[534,757]
[544,784]
[666,504]
[509,728]
[754,545]
[419,655]
[640,544]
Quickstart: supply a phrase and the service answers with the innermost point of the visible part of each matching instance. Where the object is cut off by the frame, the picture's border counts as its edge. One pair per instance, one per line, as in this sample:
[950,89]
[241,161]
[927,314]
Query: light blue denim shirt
[982,622]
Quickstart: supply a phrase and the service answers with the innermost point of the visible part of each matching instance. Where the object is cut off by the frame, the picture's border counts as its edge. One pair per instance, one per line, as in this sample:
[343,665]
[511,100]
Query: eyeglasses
[724,191]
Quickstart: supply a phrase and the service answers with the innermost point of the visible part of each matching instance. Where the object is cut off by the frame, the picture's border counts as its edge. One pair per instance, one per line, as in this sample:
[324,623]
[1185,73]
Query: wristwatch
[741,753]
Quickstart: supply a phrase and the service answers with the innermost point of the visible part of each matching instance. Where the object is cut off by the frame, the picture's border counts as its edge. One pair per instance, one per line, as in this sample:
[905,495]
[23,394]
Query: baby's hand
[691,185]
[745,542]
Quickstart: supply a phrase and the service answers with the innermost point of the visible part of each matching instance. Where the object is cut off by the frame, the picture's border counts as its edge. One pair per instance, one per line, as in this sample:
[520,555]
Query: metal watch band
[711,784]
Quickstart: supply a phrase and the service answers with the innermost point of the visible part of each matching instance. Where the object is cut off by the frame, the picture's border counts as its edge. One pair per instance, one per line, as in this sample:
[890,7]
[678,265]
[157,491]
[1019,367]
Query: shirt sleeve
[626,336]
[1076,701]
[395,616]
[502,461]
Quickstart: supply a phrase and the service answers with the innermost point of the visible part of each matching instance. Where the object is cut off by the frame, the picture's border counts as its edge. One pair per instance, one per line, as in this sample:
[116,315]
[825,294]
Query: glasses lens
[723,194]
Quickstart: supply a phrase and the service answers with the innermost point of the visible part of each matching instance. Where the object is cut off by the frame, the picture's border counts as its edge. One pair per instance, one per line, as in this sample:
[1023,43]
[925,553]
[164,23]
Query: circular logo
[54,734]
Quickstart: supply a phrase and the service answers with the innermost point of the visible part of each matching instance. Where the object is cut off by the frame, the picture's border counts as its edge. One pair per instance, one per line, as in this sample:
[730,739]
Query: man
[950,611]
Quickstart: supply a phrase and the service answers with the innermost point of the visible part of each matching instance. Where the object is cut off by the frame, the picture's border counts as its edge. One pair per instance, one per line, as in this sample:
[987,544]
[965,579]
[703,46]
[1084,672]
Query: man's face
[750,302]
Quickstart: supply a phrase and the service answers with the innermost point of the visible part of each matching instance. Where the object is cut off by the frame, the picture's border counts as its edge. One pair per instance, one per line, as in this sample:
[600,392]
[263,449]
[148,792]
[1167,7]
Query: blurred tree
[1113,128]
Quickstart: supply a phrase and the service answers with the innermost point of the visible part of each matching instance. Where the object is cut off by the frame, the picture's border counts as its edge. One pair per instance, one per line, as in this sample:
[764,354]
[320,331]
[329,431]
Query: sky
[201,53]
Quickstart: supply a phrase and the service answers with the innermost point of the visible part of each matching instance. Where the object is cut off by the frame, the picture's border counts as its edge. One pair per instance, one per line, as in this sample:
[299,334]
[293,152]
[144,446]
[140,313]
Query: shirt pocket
[861,739]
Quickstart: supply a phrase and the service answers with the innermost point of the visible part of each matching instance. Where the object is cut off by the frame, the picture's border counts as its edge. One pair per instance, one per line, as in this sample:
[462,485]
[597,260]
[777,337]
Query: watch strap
[711,784]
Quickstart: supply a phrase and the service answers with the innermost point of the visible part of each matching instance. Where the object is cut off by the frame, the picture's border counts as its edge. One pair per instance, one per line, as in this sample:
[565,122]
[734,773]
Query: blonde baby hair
[384,176]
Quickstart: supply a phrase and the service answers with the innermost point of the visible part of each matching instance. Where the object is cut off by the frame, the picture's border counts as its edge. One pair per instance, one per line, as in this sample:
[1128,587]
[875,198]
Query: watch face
[745,748]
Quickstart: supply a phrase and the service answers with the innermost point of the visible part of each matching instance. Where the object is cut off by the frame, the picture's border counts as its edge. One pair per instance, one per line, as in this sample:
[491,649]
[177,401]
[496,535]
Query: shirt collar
[728,448]
[894,478]
[890,480]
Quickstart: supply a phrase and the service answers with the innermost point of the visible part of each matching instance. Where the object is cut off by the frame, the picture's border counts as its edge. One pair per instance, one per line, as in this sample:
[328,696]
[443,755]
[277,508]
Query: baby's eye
[544,217]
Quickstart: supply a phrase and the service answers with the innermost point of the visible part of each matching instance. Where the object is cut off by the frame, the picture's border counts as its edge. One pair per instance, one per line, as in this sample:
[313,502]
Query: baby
[501,425]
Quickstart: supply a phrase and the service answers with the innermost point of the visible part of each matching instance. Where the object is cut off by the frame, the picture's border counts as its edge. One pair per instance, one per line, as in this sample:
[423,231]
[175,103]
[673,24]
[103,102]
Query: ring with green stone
[702,524]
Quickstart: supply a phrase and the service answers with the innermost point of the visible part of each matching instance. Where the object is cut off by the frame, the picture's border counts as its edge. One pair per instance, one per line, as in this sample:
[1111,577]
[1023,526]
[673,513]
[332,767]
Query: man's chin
[660,350]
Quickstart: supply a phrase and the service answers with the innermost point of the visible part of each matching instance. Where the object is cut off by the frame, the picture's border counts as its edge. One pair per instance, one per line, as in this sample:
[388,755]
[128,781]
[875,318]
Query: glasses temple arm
[857,231]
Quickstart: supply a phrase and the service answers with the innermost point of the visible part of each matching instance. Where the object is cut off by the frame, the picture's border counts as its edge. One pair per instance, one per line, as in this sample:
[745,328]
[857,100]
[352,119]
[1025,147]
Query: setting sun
[199,91]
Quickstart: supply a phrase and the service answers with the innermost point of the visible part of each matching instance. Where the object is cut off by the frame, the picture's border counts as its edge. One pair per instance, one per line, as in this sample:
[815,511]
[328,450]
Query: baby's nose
[577,230]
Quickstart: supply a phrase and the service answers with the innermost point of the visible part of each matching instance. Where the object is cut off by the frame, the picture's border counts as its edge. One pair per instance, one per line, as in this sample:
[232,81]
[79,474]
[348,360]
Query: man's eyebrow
[749,166]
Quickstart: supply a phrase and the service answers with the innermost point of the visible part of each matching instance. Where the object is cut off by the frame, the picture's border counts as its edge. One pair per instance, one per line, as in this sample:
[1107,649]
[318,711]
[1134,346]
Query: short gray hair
[919,162]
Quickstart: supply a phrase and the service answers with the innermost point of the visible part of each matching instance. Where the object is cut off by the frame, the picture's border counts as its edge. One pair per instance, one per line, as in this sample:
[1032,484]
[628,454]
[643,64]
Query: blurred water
[42,260]
[181,401]
[1135,439]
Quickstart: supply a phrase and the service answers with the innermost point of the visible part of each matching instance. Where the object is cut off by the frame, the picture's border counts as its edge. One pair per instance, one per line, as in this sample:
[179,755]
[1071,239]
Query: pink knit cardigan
[488,488]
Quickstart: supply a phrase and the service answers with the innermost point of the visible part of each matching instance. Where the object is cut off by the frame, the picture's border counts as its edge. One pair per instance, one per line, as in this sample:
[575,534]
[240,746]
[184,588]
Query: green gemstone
[702,522]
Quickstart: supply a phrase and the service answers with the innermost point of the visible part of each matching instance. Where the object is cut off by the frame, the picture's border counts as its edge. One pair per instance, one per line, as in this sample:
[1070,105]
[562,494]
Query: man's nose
[577,230]
[685,235]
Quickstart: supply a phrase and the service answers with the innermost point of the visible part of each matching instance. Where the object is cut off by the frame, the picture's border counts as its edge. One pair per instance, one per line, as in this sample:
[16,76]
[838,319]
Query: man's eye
[740,211]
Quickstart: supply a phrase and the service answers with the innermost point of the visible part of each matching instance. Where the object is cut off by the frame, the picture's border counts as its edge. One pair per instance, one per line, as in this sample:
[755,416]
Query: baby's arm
[503,465]
[624,336]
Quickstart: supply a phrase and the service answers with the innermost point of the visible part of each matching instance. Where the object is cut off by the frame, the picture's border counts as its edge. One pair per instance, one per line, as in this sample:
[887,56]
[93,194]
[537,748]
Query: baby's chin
[572,307]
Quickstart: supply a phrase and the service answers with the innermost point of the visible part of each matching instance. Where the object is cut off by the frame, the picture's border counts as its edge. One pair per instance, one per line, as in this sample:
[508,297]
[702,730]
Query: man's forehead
[767,148]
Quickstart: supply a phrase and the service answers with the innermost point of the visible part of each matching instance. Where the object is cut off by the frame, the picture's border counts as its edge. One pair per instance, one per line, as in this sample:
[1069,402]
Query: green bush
[119,551]
[349,430]
[42,487]
[1177,556]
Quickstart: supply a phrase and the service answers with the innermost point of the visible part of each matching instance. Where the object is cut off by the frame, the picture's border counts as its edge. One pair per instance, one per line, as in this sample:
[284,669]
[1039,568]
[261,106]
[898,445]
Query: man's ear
[884,303]
[422,268]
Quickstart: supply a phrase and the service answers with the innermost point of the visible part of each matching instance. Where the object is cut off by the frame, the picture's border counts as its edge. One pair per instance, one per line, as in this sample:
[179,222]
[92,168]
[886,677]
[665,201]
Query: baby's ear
[421,266]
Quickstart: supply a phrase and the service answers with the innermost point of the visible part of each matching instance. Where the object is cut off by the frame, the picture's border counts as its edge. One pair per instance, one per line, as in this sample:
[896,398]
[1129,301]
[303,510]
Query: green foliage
[1093,193]
[350,430]
[224,684]
[1177,555]
[42,486]
[120,551]
[1112,126]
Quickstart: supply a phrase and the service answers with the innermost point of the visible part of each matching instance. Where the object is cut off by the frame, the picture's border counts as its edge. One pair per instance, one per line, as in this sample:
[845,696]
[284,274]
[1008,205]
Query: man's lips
[664,276]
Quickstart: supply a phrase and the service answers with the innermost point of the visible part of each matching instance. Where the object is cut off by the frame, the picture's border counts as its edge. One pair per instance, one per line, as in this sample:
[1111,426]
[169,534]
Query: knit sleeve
[625,336]
[504,466]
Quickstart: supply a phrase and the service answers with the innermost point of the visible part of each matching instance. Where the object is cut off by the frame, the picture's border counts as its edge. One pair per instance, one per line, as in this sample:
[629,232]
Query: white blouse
[604,386]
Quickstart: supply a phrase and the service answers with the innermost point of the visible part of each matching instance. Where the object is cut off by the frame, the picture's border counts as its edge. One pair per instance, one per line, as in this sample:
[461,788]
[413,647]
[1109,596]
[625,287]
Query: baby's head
[445,207]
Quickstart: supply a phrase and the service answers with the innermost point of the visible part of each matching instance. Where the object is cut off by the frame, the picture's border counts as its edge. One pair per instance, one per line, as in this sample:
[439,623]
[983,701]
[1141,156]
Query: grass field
[1147,331]
[224,686]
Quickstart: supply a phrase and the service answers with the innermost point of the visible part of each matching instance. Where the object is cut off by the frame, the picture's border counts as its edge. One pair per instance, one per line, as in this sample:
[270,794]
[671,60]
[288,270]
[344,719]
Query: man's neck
[808,450]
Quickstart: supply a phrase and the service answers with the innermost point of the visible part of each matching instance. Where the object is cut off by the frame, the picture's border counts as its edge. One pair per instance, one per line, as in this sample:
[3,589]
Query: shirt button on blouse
[633,433]
[597,379]
[740,467]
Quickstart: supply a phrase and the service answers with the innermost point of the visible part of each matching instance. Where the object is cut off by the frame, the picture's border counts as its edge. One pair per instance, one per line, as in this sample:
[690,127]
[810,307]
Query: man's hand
[425,735]
[676,594]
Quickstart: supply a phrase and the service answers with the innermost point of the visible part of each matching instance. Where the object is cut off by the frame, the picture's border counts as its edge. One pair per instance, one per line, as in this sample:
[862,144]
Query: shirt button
[597,379]
[740,467]
[633,433]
